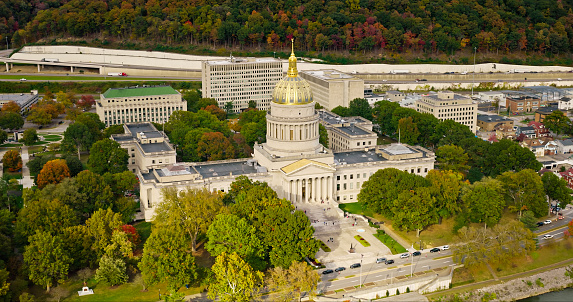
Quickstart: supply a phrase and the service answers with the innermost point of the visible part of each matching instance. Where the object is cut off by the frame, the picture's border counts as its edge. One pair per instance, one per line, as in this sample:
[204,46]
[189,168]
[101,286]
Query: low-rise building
[490,122]
[527,131]
[568,176]
[395,95]
[332,88]
[565,103]
[542,113]
[139,104]
[446,105]
[24,100]
[347,133]
[564,146]
[491,96]
[522,103]
[540,130]
[540,146]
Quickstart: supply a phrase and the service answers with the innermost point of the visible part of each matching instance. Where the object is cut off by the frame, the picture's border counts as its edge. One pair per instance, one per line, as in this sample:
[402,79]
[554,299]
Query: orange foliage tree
[12,160]
[53,172]
[214,146]
[11,107]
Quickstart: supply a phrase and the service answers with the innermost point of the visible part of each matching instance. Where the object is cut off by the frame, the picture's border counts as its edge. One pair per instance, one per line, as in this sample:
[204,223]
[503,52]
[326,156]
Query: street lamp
[7,43]
[474,75]
[360,283]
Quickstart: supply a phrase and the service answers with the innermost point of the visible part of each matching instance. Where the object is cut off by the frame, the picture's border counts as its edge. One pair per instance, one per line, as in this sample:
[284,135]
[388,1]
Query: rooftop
[397,149]
[248,60]
[394,92]
[328,75]
[546,110]
[492,118]
[566,142]
[208,170]
[156,147]
[356,157]
[138,91]
[354,130]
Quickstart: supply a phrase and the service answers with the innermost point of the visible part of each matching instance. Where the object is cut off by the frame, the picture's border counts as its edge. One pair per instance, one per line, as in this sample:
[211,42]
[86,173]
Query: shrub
[387,293]
[407,289]
[397,292]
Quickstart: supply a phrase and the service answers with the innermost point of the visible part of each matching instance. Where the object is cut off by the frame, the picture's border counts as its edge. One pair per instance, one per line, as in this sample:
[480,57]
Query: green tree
[449,132]
[529,221]
[189,212]
[451,157]
[323,135]
[94,124]
[3,136]
[101,226]
[50,216]
[446,187]
[77,137]
[77,243]
[97,192]
[4,285]
[214,146]
[408,131]
[341,110]
[74,164]
[382,188]
[11,120]
[298,278]
[166,258]
[556,189]
[229,233]
[253,132]
[111,271]
[360,107]
[30,136]
[234,279]
[252,104]
[46,260]
[107,155]
[485,201]
[557,122]
[525,191]
[415,209]
[114,129]
[383,113]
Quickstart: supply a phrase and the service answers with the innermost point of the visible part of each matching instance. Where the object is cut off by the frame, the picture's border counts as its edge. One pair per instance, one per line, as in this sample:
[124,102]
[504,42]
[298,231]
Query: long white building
[332,88]
[240,80]
[292,161]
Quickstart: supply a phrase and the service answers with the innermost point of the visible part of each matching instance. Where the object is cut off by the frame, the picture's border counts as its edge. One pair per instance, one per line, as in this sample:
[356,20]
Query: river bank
[522,288]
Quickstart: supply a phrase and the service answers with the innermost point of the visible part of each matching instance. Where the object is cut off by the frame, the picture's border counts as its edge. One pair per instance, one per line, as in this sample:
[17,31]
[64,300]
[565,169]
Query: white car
[547,236]
[405,255]
[23,79]
[547,221]
[445,247]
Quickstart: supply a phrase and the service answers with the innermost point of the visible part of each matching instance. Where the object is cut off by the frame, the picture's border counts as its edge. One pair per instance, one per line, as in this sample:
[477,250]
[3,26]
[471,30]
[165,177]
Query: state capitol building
[292,161]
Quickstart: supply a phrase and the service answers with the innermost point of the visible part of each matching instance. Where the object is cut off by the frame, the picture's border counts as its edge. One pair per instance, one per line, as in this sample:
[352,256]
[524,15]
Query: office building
[240,80]
[446,105]
[139,104]
[332,88]
[24,100]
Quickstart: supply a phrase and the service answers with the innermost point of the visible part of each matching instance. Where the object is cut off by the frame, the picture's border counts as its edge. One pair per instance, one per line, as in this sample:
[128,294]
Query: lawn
[432,236]
[362,240]
[355,208]
[51,136]
[35,149]
[144,230]
[395,247]
[8,145]
[74,78]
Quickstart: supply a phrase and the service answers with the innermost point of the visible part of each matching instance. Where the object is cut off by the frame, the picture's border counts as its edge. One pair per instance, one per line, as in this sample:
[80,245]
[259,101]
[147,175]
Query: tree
[382,188]
[74,164]
[360,107]
[77,243]
[341,110]
[188,212]
[449,132]
[298,278]
[383,112]
[216,111]
[77,136]
[415,209]
[121,182]
[234,279]
[11,120]
[39,116]
[485,201]
[4,285]
[11,106]
[525,190]
[229,233]
[252,104]
[166,258]
[556,189]
[107,155]
[451,157]
[111,271]
[100,227]
[86,102]
[557,122]
[529,221]
[446,187]
[96,190]
[114,129]
[3,136]
[323,135]
[408,131]
[214,146]
[46,260]
[254,132]
[30,136]
[53,172]
[12,160]
[50,216]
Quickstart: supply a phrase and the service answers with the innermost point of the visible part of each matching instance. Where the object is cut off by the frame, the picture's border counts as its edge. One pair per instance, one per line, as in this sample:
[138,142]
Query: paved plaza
[329,222]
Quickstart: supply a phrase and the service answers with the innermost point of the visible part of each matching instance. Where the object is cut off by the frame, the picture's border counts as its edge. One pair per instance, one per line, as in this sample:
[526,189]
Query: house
[540,130]
[489,122]
[568,176]
[564,146]
[539,146]
[491,96]
[565,103]
[550,148]
[504,131]
[528,131]
[541,113]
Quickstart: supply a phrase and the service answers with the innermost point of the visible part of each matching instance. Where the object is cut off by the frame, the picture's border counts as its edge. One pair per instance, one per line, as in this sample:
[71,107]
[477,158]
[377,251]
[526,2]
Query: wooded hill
[416,26]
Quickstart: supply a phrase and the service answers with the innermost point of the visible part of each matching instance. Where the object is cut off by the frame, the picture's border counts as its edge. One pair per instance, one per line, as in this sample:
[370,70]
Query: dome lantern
[292,89]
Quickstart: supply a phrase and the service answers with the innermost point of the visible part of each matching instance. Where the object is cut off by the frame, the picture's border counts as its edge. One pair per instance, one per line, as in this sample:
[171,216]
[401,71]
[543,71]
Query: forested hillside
[416,26]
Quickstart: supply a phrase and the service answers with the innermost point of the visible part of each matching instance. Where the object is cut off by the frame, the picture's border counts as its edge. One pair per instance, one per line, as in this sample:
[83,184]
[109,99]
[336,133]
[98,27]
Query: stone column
[329,188]
[299,190]
[314,189]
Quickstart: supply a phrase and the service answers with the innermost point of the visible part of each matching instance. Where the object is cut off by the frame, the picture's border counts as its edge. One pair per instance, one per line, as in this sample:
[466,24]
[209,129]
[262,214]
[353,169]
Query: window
[364,175]
[351,176]
[133,161]
[344,188]
[357,175]
[351,186]
[337,187]
[344,177]
[338,177]
[153,161]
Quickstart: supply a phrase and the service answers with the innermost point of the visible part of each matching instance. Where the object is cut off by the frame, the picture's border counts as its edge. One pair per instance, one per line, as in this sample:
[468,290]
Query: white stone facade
[241,80]
[446,105]
[333,88]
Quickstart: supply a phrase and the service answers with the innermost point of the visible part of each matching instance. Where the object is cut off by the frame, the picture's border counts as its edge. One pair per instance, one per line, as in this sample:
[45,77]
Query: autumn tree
[451,157]
[53,172]
[216,111]
[39,116]
[289,284]
[101,226]
[11,106]
[234,279]
[189,212]
[214,146]
[50,216]
[107,155]
[46,260]
[85,102]
[12,160]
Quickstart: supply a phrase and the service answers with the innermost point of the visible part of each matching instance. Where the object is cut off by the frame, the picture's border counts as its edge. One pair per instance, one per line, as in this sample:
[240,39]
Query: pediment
[306,167]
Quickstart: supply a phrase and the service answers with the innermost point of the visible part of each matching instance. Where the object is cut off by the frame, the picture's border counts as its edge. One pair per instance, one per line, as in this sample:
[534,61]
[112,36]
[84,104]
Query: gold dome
[292,89]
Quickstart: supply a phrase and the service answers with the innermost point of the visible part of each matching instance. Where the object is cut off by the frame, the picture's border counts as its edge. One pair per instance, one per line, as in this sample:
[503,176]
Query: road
[555,228]
[374,272]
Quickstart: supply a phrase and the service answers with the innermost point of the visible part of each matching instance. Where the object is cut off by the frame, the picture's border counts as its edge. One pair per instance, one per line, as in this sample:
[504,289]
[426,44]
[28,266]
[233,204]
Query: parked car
[416,253]
[547,221]
[405,255]
[389,261]
[328,271]
[445,247]
[380,260]
[560,216]
[435,250]
[541,223]
[355,265]
[340,269]
[547,236]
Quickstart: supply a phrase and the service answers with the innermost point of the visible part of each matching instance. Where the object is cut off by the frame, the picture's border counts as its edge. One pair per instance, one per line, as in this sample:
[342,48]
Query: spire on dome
[292,71]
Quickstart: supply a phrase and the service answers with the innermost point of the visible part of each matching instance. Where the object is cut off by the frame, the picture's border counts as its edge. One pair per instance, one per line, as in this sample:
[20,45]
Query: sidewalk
[26,181]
